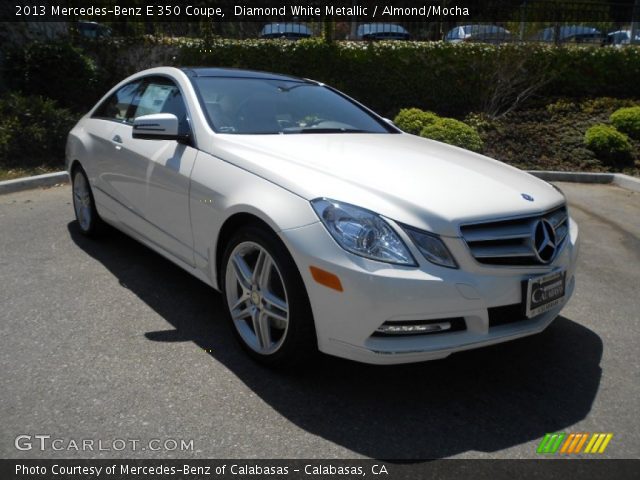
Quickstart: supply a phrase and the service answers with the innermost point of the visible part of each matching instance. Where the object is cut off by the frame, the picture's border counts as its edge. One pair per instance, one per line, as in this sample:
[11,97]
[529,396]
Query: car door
[156,173]
[103,149]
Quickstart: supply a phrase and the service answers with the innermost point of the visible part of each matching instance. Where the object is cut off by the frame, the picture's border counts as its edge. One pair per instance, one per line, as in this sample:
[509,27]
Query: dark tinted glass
[117,106]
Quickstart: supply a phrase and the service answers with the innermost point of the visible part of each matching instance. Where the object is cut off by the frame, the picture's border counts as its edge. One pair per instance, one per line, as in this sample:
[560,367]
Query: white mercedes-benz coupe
[324,226]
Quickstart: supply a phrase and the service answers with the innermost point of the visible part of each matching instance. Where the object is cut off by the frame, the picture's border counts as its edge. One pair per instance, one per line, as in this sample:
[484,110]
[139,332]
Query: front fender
[220,190]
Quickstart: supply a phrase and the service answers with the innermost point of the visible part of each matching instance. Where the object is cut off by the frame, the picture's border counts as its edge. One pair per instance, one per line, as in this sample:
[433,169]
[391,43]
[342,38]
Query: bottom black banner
[316,469]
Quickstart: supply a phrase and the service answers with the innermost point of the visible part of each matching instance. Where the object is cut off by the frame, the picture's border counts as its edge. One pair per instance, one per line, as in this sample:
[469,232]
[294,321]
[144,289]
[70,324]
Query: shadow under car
[481,400]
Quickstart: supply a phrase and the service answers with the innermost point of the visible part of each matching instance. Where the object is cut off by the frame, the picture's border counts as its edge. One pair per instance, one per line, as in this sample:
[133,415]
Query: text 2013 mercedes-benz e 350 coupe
[323,225]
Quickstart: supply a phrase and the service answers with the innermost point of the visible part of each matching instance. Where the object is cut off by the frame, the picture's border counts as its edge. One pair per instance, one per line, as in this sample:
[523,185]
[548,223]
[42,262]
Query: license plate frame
[545,292]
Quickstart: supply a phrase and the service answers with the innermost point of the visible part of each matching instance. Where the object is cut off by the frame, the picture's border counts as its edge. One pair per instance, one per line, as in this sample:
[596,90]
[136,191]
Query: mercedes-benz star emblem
[544,241]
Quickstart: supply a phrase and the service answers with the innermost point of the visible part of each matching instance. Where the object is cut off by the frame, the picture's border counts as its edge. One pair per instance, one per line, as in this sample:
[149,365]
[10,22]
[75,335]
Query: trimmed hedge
[627,120]
[608,143]
[450,79]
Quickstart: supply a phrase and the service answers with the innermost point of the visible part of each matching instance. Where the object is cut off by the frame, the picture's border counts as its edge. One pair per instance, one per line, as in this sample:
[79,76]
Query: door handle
[117,139]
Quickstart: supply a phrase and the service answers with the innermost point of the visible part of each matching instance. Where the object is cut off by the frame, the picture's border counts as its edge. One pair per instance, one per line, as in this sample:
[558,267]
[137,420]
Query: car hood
[412,180]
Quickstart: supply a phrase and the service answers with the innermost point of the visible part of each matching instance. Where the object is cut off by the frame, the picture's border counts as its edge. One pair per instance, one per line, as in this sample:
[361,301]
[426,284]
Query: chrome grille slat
[493,252]
[510,241]
[561,233]
[505,234]
[557,220]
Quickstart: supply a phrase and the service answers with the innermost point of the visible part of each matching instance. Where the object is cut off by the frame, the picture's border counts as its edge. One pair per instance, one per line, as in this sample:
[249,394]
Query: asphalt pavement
[105,340]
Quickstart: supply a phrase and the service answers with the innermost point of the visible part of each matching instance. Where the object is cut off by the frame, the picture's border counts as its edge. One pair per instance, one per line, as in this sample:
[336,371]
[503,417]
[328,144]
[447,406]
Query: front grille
[511,241]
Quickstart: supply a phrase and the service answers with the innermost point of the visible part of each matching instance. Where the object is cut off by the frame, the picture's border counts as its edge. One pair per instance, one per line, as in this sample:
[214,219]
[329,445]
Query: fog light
[404,329]
[420,327]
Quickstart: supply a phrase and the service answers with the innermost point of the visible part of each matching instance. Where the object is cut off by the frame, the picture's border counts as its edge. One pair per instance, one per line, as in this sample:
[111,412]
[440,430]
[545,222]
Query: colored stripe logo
[573,443]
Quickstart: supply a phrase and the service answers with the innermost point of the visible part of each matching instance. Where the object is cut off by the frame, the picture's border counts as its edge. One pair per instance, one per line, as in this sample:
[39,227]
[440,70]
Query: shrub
[599,105]
[534,139]
[627,120]
[453,132]
[608,143]
[561,107]
[479,121]
[56,70]
[33,131]
[413,120]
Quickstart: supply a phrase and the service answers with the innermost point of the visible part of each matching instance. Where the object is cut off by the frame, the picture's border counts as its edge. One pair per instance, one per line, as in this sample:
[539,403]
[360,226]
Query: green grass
[7,173]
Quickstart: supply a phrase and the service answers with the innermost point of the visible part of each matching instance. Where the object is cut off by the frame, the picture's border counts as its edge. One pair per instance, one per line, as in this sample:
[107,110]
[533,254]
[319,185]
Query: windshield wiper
[330,130]
[288,89]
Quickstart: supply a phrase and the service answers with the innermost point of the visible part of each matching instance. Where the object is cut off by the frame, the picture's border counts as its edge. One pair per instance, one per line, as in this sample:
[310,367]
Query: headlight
[431,247]
[362,232]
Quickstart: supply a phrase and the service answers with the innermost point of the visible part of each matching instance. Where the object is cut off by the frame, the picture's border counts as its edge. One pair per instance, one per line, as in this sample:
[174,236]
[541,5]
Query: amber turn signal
[327,279]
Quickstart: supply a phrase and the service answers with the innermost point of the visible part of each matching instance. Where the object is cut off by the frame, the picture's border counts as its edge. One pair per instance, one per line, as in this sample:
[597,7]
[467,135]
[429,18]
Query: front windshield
[267,106]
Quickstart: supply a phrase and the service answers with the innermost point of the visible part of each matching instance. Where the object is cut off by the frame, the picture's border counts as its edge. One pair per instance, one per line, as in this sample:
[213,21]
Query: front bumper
[375,293]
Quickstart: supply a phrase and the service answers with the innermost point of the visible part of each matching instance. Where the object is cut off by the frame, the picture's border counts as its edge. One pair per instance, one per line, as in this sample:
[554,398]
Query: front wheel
[84,205]
[266,300]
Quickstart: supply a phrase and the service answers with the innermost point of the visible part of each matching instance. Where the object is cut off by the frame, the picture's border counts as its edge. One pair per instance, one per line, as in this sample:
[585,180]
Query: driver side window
[118,106]
[161,95]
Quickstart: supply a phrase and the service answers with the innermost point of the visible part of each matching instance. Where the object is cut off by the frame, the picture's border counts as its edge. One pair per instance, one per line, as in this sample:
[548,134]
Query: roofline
[197,72]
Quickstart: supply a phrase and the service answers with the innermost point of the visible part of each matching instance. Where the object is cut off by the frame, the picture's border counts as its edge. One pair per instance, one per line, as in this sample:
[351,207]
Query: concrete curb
[618,179]
[25,183]
[624,181]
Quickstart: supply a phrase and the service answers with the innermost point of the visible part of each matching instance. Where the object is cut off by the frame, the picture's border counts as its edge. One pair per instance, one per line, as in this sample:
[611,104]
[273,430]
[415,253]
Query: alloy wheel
[257,298]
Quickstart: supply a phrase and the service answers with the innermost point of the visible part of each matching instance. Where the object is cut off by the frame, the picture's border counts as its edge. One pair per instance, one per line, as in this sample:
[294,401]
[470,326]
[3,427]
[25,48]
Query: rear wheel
[84,205]
[266,300]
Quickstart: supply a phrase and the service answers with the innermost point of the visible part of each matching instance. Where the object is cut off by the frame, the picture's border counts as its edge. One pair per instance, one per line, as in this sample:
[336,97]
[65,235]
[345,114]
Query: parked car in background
[288,30]
[382,31]
[570,33]
[323,225]
[478,33]
[622,37]
[92,29]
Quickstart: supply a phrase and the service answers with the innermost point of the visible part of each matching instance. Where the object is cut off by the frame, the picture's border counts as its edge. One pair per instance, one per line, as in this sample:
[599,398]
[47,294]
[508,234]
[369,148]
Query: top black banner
[313,10]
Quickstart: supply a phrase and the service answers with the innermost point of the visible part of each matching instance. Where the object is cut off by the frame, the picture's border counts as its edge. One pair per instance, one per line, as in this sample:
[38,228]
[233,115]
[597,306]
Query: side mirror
[159,126]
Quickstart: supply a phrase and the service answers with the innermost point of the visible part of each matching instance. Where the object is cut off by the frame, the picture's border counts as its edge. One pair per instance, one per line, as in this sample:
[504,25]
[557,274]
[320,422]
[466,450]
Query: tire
[266,301]
[84,206]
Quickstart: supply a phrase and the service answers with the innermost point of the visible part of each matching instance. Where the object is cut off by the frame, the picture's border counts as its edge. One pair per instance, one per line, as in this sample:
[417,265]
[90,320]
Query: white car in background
[622,37]
[323,225]
[478,33]
[569,34]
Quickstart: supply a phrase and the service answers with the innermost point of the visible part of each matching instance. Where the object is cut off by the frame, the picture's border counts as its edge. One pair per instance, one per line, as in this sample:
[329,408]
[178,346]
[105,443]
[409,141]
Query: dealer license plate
[544,293]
